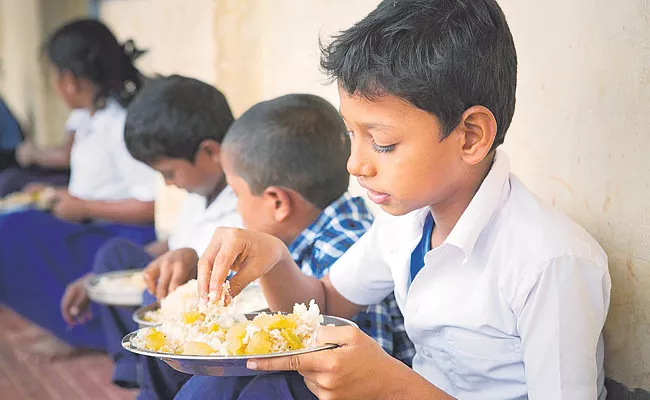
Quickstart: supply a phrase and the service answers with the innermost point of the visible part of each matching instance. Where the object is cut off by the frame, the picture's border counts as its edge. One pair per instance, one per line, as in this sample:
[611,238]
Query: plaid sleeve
[384,323]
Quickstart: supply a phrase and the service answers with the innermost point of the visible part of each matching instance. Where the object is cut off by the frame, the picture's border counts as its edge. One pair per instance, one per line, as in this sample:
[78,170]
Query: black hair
[294,141]
[172,116]
[88,49]
[441,56]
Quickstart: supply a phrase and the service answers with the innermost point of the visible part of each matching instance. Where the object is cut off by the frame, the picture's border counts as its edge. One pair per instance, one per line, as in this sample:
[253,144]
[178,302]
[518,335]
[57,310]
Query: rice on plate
[190,328]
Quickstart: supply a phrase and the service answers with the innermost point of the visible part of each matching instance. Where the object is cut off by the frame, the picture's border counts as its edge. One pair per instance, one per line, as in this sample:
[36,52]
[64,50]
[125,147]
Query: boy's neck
[221,184]
[447,214]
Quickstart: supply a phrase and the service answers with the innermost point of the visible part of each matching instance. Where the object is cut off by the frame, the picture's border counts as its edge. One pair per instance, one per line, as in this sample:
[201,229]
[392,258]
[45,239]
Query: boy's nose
[358,164]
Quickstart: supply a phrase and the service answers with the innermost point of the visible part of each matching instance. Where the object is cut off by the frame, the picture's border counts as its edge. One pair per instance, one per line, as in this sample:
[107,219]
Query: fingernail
[251,365]
[74,311]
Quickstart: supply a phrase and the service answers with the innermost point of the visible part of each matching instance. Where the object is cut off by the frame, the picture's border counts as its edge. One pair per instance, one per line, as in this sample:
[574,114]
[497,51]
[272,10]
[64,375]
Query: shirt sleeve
[77,118]
[206,230]
[363,275]
[562,311]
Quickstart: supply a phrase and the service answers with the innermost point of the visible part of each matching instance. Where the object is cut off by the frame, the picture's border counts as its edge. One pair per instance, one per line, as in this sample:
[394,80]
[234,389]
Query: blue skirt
[41,254]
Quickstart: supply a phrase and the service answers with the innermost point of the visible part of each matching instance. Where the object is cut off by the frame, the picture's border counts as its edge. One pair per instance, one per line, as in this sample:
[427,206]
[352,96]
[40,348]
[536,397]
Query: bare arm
[157,248]
[253,255]
[52,157]
[129,211]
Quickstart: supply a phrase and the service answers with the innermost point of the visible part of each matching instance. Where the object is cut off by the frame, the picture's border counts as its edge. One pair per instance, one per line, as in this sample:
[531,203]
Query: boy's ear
[282,202]
[210,148]
[478,130]
[70,82]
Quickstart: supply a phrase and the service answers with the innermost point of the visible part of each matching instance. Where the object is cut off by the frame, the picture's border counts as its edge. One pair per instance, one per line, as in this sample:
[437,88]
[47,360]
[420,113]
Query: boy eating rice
[503,296]
[285,160]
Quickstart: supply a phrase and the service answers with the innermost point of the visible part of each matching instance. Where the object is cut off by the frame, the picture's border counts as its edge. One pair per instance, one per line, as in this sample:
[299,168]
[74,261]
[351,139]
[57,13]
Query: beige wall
[578,136]
[579,139]
[24,81]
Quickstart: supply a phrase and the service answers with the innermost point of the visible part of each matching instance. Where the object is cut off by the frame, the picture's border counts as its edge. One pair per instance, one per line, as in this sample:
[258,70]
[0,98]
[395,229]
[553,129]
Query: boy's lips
[374,196]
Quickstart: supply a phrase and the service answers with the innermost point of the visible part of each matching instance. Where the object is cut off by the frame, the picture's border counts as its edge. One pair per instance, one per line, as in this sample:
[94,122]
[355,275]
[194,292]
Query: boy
[285,160]
[503,296]
[175,125]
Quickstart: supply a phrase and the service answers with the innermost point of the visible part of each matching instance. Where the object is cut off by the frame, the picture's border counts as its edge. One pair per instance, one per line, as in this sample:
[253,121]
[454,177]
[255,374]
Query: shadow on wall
[616,391]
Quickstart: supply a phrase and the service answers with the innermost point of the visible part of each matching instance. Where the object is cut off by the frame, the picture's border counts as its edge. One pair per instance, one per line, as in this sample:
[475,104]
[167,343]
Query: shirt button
[426,352]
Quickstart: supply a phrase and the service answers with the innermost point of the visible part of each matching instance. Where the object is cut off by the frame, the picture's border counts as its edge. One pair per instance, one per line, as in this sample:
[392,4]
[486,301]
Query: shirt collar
[313,231]
[485,203]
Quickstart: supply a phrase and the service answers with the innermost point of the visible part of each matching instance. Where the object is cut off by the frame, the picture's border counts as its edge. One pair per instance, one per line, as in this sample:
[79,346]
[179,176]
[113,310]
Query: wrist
[84,209]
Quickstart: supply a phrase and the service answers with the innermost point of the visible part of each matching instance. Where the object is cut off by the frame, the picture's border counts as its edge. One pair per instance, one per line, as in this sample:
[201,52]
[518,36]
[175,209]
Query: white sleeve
[139,178]
[78,117]
[363,275]
[205,232]
[561,311]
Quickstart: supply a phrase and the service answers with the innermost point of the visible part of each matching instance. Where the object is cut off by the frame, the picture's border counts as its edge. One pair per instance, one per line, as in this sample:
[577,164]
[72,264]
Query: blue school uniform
[10,133]
[40,254]
[337,228]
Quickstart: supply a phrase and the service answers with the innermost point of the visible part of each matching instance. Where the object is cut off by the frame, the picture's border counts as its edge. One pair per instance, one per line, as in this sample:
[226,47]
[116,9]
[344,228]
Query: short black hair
[88,49]
[295,141]
[171,116]
[441,56]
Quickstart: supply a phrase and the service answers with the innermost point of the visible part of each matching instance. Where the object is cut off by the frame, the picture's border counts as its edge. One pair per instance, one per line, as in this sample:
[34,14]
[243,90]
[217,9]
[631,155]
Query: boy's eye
[383,149]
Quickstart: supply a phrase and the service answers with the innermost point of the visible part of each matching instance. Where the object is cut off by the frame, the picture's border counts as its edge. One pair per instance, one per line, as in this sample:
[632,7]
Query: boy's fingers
[206,262]
[163,281]
[229,252]
[304,362]
[178,277]
[150,275]
[338,335]
[241,279]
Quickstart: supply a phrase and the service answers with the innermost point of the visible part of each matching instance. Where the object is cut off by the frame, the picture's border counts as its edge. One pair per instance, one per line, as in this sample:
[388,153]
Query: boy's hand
[35,187]
[170,271]
[250,254]
[75,304]
[68,207]
[25,153]
[358,369]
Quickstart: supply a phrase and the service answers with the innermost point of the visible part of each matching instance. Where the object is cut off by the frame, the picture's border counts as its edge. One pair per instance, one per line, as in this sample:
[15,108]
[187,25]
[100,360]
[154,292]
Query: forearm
[56,158]
[157,248]
[129,211]
[409,385]
[285,285]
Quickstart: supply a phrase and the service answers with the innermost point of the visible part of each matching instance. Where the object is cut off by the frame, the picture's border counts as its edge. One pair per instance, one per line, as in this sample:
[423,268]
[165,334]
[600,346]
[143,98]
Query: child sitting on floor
[176,126]
[285,159]
[503,296]
[110,194]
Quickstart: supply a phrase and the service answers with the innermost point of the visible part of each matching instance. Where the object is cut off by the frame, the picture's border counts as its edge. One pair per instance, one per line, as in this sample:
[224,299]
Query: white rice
[177,333]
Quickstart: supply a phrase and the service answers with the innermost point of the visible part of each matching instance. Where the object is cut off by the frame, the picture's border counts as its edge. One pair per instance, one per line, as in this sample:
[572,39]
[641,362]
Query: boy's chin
[395,209]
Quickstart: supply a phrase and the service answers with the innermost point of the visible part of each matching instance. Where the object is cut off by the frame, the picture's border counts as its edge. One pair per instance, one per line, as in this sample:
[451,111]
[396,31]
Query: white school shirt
[101,167]
[510,306]
[77,118]
[197,222]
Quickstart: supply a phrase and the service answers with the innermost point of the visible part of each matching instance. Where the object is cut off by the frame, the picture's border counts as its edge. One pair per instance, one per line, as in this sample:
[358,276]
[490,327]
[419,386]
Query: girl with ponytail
[109,195]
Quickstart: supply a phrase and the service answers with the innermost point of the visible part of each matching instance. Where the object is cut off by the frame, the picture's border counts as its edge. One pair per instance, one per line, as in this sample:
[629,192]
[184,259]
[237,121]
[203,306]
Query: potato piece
[259,343]
[197,349]
[191,317]
[155,341]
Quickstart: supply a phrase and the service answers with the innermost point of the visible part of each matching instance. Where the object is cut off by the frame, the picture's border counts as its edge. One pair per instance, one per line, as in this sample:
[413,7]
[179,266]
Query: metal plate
[124,298]
[224,365]
[139,315]
[253,291]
